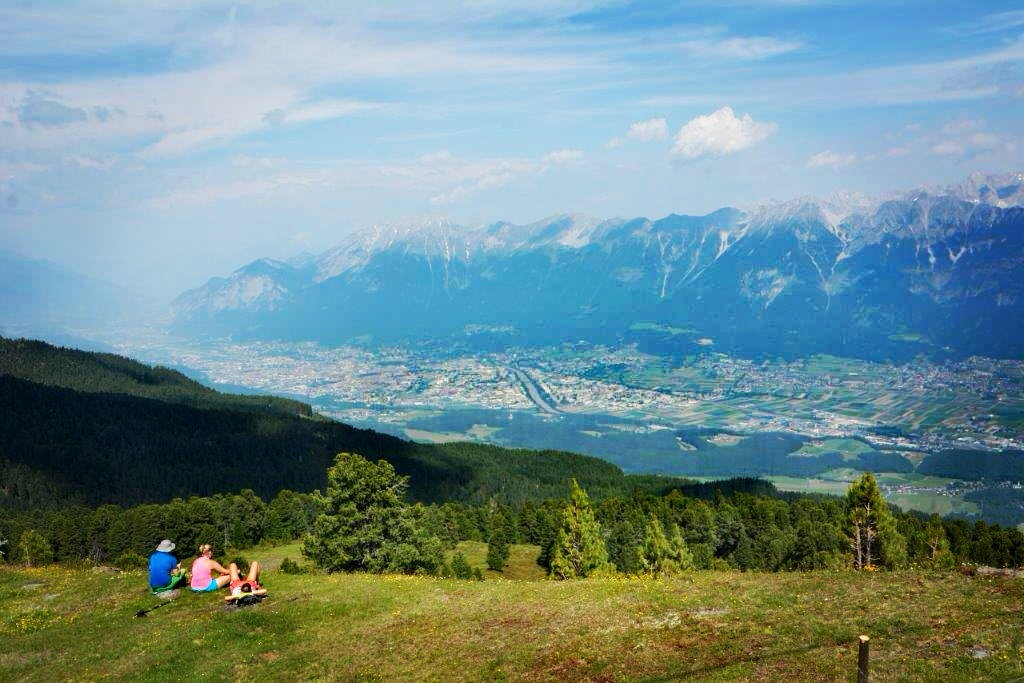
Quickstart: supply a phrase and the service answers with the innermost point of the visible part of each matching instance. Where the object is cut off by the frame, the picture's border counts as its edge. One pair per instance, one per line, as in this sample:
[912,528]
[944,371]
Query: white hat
[165,546]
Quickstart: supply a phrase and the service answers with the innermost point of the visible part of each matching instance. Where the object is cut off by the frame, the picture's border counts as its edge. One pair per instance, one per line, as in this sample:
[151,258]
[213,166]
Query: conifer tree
[460,567]
[34,549]
[654,549]
[937,545]
[871,529]
[497,550]
[624,545]
[502,533]
[679,552]
[579,548]
[366,524]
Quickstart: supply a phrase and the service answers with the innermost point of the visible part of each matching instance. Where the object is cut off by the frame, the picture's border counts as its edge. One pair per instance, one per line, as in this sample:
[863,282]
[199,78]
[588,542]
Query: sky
[155,144]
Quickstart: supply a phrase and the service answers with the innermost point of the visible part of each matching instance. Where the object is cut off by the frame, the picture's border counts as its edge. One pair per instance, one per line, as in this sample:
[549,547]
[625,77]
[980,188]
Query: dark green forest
[93,445]
[739,524]
[92,428]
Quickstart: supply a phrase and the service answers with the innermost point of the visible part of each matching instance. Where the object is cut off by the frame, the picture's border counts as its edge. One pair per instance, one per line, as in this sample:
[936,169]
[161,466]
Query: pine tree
[654,549]
[624,545]
[871,529]
[579,548]
[497,551]
[679,552]
[34,549]
[937,545]
[367,525]
[460,567]
[502,533]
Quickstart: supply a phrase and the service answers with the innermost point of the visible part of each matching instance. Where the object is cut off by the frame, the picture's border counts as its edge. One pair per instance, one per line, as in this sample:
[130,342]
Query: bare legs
[253,575]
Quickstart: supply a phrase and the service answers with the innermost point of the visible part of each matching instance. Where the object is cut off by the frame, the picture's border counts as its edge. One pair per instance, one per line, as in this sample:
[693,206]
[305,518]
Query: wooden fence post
[862,660]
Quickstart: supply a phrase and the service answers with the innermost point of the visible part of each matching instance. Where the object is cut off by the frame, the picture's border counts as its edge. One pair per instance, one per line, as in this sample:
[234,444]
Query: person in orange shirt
[250,585]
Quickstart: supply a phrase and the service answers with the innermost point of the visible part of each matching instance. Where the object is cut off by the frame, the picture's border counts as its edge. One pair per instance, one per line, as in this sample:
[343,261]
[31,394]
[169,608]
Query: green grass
[848,448]
[810,485]
[61,624]
[929,503]
[521,565]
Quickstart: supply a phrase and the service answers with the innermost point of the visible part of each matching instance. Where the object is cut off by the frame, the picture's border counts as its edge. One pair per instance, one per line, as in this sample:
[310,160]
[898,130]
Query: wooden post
[862,660]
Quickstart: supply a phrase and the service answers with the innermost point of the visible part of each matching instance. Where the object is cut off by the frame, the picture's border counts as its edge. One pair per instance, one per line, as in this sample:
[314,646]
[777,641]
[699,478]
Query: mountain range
[48,300]
[934,270]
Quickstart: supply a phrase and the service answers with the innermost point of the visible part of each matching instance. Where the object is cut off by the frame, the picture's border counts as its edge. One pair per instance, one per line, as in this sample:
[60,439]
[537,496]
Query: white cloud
[88,162]
[440,156]
[991,23]
[739,47]
[897,152]
[613,143]
[329,109]
[830,159]
[564,156]
[718,133]
[653,129]
[961,125]
[971,145]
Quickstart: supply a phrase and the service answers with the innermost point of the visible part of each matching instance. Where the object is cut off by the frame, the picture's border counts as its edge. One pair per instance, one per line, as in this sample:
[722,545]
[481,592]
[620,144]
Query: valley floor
[57,623]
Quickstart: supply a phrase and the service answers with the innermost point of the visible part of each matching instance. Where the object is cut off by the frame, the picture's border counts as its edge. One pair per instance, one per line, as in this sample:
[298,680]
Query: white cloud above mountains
[653,129]
[719,133]
[565,156]
[830,159]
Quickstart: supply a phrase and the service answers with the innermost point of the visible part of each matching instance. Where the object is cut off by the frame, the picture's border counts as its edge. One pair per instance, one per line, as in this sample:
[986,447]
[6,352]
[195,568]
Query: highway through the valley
[534,392]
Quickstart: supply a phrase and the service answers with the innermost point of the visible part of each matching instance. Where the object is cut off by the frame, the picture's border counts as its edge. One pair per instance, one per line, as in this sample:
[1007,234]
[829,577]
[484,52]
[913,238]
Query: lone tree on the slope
[871,529]
[502,534]
[579,549]
[367,525]
[34,549]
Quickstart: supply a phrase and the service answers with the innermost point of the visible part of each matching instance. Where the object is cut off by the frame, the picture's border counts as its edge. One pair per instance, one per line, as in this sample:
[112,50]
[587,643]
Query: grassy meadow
[60,624]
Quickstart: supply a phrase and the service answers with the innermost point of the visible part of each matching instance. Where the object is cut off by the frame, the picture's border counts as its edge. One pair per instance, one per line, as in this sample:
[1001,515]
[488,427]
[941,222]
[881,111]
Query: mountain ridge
[841,262]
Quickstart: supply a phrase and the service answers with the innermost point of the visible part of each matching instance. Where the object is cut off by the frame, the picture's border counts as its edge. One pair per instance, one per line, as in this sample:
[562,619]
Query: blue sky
[155,144]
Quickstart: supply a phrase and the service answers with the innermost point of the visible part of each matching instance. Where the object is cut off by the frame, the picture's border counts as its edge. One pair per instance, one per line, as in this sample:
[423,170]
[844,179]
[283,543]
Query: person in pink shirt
[202,571]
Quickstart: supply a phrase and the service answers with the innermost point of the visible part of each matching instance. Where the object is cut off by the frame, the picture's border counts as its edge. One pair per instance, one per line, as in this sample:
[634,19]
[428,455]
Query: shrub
[290,566]
[130,560]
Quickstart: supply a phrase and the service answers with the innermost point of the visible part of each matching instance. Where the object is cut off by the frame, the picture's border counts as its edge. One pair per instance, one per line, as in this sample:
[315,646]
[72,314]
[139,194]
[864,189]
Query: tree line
[363,520]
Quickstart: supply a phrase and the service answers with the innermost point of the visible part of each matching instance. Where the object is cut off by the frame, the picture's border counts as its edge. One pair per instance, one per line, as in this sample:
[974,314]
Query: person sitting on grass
[202,571]
[250,585]
[165,573]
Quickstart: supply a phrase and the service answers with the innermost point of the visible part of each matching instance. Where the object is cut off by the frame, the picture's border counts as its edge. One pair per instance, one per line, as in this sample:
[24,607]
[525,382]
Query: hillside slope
[57,623]
[127,433]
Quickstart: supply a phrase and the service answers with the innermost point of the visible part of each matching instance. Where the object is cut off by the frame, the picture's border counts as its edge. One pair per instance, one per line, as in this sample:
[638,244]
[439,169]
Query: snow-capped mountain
[915,272]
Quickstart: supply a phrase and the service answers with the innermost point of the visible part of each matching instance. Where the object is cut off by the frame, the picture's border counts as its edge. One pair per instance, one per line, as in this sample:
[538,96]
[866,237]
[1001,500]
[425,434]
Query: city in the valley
[809,424]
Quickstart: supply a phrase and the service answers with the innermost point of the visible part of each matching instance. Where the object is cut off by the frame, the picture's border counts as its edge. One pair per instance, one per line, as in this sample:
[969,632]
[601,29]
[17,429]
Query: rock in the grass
[995,571]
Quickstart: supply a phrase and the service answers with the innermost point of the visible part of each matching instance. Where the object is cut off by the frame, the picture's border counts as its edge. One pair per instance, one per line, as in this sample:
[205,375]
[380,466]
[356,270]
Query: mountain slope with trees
[99,428]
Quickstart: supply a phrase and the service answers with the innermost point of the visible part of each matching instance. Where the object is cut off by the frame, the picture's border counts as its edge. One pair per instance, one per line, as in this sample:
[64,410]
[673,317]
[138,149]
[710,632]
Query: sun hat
[165,546]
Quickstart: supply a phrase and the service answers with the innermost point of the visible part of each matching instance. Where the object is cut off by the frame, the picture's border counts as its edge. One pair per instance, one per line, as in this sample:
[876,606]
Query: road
[533,391]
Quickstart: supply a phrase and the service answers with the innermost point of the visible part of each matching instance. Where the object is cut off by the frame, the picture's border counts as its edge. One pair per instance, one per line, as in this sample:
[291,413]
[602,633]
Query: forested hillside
[85,371]
[98,428]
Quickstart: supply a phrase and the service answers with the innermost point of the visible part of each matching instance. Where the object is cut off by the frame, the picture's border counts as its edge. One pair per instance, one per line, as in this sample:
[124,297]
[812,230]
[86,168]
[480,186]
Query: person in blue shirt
[165,573]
